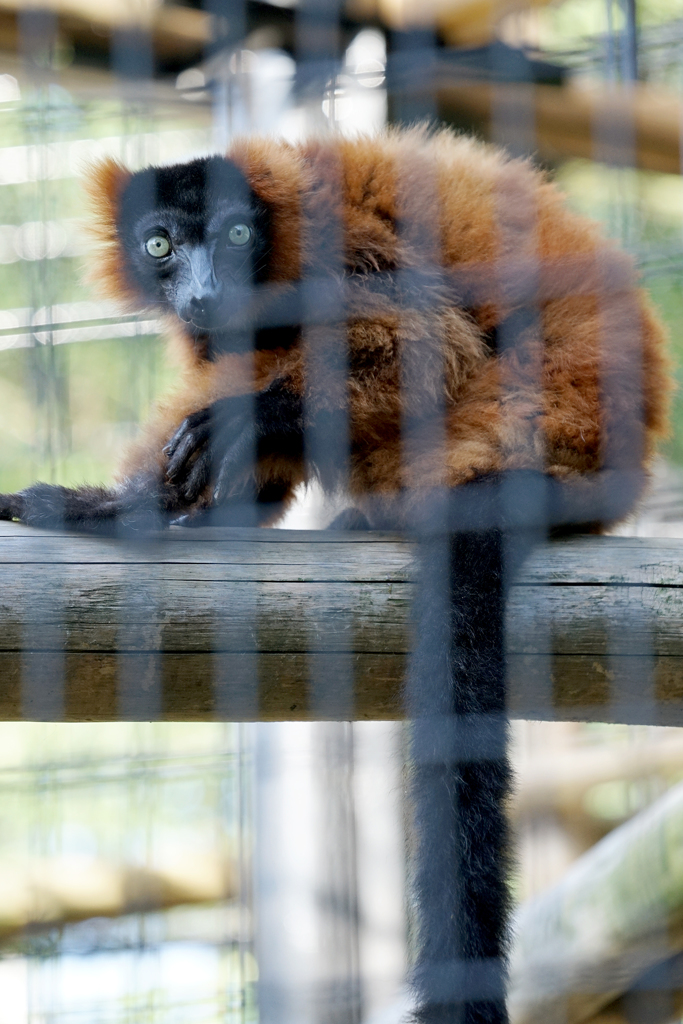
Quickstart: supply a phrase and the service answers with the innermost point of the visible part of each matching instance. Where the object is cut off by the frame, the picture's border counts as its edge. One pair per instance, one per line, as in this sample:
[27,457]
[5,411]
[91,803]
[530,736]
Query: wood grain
[274,625]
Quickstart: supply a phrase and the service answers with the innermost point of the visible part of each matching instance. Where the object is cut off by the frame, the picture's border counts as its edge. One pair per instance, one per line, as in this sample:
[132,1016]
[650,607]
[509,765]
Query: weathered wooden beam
[637,126]
[274,625]
[612,925]
[559,781]
[50,892]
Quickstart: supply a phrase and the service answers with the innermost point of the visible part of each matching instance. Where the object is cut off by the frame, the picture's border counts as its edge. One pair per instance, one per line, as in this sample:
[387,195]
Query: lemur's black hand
[196,450]
[218,442]
[11,506]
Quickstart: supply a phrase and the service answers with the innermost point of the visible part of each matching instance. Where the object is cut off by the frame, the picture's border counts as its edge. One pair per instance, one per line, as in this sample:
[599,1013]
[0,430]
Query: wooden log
[276,625]
[53,892]
[559,782]
[174,32]
[460,22]
[634,125]
[651,1005]
[616,915]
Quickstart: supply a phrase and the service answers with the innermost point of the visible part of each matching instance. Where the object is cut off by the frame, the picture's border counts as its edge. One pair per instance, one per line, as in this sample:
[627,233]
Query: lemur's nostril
[200,311]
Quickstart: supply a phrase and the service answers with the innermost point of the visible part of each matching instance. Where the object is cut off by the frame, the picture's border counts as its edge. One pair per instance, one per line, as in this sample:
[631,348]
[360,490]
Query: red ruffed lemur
[483,330]
[218,246]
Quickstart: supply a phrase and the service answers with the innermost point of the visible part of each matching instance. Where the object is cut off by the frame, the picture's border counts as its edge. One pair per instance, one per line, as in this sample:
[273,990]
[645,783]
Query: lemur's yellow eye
[239,234]
[158,246]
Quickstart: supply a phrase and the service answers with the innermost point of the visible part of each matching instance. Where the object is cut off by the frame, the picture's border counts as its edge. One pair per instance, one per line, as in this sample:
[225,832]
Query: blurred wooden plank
[615,916]
[175,32]
[655,998]
[460,22]
[631,125]
[49,892]
[558,782]
[238,624]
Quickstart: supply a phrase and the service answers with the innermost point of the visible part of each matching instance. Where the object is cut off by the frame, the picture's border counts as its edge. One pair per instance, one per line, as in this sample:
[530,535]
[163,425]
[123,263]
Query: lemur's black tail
[132,508]
[141,505]
[461,779]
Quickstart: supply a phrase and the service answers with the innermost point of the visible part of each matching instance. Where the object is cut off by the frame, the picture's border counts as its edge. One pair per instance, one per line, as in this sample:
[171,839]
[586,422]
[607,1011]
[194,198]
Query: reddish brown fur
[558,404]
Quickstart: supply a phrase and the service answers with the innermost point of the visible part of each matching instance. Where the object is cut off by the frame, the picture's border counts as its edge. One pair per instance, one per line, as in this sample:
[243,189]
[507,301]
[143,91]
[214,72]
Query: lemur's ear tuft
[104,184]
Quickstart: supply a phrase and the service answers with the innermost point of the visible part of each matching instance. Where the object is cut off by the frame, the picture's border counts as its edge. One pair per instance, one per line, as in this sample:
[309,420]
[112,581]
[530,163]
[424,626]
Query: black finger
[187,447]
[188,424]
[241,452]
[198,477]
[222,486]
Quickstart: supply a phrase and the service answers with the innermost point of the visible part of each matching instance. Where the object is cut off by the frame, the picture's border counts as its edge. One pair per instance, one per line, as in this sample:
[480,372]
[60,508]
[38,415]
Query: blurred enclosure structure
[137,858]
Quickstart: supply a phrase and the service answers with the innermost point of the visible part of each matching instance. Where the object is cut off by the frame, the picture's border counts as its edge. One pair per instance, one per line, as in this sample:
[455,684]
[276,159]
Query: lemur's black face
[196,238]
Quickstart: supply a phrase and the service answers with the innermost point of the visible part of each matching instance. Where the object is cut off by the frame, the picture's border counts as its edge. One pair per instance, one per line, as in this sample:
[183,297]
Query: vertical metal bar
[522,329]
[229,29]
[513,126]
[327,440]
[339,997]
[317,53]
[327,437]
[441,973]
[513,111]
[139,641]
[623,428]
[622,402]
[456,697]
[610,55]
[285,874]
[139,662]
[380,841]
[327,433]
[411,60]
[629,49]
[43,658]
[622,453]
[305,874]
[236,658]
[132,60]
[245,798]
[455,692]
[38,35]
